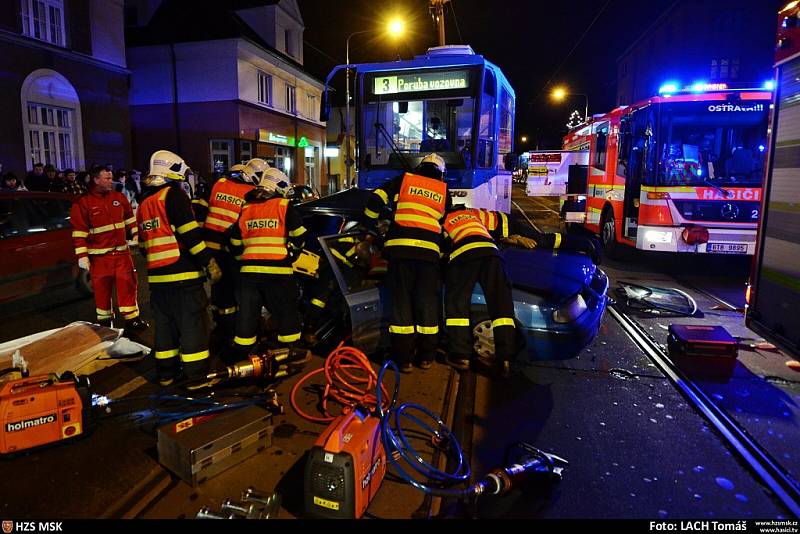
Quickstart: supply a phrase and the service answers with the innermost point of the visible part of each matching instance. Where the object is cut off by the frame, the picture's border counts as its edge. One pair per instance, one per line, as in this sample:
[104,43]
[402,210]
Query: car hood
[553,275]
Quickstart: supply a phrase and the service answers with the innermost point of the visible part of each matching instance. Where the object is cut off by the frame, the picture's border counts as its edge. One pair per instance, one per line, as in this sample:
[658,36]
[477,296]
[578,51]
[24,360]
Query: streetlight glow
[524,139]
[396,28]
[559,93]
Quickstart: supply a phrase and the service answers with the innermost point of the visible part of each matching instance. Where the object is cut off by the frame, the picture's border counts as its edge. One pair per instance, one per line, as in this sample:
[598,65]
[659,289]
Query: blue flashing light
[699,172]
[667,88]
[769,85]
[761,148]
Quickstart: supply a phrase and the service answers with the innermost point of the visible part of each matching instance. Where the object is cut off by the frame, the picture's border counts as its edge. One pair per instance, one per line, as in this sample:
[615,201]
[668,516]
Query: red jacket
[101,223]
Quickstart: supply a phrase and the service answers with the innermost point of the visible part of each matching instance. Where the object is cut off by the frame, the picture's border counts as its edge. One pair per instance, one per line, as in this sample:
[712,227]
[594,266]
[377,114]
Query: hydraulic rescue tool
[272,364]
[345,467]
[43,409]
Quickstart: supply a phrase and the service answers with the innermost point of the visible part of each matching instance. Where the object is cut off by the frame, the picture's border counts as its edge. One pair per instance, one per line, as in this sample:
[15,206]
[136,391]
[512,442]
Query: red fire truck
[774,295]
[679,172]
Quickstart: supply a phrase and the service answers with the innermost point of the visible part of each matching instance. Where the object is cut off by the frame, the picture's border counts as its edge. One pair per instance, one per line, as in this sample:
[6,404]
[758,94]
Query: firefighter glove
[133,243]
[520,241]
[83,263]
[213,271]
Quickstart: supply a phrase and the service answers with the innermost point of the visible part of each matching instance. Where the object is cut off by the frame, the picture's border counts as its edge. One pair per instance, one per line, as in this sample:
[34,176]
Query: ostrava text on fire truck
[679,172]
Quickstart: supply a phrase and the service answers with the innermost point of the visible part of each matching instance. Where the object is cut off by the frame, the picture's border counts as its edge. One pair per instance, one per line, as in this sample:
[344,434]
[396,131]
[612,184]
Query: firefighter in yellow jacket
[268,234]
[412,248]
[177,263]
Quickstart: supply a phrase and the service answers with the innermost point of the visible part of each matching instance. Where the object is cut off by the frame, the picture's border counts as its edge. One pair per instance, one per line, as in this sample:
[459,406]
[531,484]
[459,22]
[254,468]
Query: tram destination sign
[414,82]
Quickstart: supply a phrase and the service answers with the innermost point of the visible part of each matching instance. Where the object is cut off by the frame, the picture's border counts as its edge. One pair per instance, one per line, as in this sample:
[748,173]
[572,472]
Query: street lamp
[524,139]
[560,93]
[395,28]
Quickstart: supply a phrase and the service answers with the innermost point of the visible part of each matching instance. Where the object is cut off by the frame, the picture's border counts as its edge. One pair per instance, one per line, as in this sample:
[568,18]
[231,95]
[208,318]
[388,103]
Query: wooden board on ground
[69,348]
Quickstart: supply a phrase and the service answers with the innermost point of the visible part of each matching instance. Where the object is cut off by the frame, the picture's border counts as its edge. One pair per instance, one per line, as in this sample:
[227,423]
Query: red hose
[350,381]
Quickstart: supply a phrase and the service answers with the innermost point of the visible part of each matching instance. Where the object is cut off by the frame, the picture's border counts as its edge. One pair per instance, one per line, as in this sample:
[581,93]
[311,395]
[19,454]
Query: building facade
[716,41]
[64,84]
[226,86]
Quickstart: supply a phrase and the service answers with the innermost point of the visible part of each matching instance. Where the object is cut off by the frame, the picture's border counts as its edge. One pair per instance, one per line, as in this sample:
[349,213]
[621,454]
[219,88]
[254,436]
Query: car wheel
[84,283]
[483,339]
[608,234]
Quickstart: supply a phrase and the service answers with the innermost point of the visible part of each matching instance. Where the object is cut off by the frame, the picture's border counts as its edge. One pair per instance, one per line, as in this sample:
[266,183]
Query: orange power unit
[345,467]
[43,409]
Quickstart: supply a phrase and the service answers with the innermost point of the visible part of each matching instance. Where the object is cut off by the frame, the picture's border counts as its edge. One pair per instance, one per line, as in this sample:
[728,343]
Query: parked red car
[36,252]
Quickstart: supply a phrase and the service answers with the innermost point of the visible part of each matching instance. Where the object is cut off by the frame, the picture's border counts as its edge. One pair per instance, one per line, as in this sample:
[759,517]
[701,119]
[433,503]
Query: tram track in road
[762,465]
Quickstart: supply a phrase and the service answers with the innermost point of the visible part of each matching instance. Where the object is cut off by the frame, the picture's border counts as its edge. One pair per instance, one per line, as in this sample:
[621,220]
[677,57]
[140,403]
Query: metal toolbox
[701,341]
[196,449]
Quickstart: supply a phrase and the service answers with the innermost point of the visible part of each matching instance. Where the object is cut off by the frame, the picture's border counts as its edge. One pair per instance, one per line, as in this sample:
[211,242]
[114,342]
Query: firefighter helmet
[254,169]
[274,180]
[166,166]
[432,166]
[236,172]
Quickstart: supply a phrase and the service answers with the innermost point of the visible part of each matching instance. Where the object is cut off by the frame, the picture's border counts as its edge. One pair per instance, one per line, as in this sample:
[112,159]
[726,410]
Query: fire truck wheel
[608,233]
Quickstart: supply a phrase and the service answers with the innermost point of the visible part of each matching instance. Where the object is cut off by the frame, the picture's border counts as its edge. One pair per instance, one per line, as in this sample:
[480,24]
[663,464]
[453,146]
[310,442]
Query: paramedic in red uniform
[103,226]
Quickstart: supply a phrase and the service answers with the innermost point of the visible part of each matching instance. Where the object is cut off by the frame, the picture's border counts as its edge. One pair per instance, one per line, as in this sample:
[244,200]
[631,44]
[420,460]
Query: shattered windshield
[712,143]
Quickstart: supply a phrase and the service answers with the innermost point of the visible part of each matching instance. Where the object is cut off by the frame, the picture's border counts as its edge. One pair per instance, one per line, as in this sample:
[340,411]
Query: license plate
[726,248]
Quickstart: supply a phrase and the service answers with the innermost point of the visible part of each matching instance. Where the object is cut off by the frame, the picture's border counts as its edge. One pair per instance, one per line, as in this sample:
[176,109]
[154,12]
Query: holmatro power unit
[43,409]
[345,467]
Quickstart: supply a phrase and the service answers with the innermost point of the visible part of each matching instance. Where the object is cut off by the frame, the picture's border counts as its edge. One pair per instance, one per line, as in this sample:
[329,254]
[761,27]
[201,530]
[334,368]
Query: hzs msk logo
[8,526]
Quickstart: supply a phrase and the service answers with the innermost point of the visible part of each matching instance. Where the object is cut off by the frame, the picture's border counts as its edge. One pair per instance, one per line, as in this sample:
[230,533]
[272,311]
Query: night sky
[529,40]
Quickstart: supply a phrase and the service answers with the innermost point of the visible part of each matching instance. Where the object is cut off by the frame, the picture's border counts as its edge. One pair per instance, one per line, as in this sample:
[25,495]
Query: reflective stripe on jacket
[225,204]
[157,235]
[468,234]
[263,230]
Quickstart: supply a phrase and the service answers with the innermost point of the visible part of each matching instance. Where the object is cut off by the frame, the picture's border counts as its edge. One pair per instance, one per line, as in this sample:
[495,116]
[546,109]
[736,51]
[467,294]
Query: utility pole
[437,12]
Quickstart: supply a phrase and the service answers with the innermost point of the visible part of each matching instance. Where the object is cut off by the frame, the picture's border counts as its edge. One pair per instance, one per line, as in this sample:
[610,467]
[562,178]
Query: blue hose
[398,447]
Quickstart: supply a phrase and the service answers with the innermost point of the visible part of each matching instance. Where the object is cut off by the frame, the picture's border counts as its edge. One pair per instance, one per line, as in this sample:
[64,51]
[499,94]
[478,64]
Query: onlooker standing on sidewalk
[36,180]
[10,183]
[54,183]
[71,184]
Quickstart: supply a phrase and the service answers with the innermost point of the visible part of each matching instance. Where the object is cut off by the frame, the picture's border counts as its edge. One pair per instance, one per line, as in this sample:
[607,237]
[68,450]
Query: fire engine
[774,293]
[678,172]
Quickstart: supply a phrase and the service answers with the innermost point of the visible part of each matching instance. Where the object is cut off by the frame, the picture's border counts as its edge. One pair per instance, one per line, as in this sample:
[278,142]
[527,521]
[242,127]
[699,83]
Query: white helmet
[165,166]
[436,160]
[236,172]
[274,180]
[254,169]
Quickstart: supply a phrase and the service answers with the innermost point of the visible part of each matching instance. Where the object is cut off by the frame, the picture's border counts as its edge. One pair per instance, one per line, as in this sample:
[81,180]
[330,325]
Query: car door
[15,269]
[50,250]
[367,300]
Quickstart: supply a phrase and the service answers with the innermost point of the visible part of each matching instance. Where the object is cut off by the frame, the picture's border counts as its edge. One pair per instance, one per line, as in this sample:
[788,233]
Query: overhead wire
[574,47]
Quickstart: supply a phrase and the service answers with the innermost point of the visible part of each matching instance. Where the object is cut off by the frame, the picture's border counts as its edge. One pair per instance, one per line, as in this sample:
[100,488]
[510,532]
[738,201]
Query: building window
[734,72]
[51,121]
[714,69]
[51,136]
[221,155]
[311,104]
[264,89]
[43,20]
[245,151]
[291,103]
[287,42]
